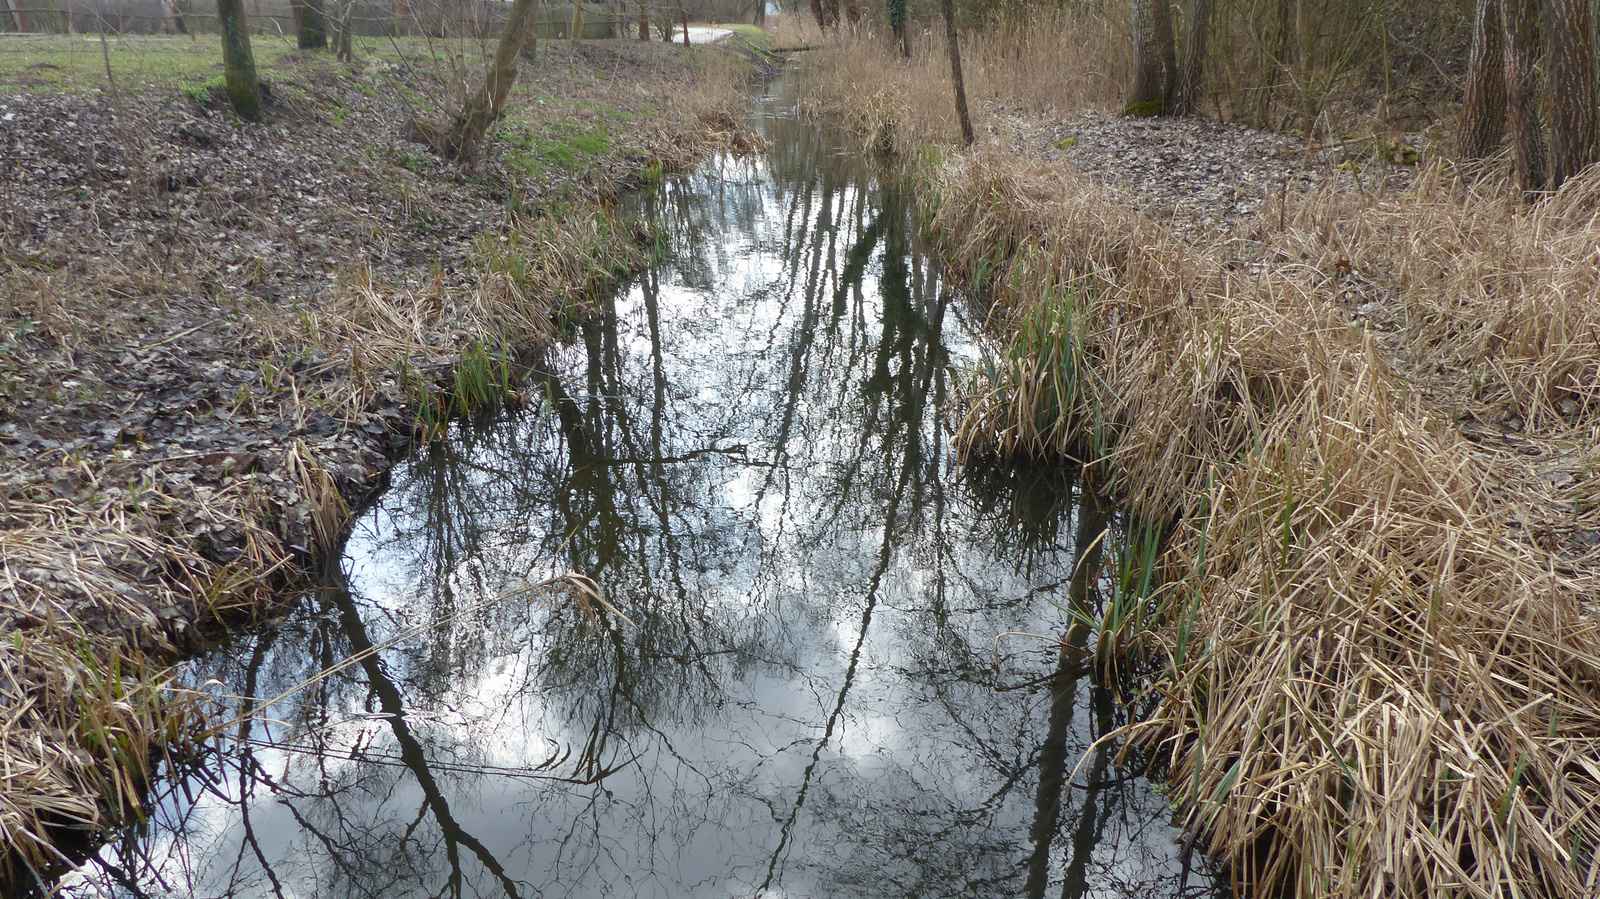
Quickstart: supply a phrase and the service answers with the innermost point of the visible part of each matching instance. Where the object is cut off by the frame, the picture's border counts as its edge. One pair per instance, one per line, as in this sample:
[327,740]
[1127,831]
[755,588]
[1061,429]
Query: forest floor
[1225,185]
[215,338]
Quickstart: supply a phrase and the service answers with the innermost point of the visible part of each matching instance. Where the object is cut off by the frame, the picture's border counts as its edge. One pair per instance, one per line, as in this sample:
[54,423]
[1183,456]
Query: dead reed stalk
[1374,686]
[903,105]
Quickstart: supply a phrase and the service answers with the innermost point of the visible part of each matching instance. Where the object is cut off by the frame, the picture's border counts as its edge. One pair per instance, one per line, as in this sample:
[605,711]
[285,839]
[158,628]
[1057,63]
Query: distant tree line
[1526,70]
[1530,75]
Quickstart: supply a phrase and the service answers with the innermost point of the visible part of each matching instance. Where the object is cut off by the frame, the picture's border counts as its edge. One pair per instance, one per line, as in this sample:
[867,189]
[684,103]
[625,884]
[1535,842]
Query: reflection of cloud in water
[747,453]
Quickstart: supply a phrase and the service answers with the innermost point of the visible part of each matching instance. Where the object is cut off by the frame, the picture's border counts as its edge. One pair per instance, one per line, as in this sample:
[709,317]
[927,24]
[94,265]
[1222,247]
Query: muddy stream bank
[747,451]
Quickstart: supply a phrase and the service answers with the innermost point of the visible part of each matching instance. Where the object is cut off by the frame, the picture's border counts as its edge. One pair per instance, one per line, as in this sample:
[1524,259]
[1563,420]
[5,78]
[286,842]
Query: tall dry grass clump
[1502,295]
[1373,686]
[1059,59]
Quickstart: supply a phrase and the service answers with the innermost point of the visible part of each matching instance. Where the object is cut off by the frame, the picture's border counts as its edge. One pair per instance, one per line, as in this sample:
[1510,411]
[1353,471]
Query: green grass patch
[562,146]
[65,62]
[751,33]
[616,115]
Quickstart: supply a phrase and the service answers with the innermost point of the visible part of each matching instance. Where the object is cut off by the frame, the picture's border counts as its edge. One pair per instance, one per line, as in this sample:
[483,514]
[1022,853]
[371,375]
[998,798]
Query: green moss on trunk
[238,64]
[311,29]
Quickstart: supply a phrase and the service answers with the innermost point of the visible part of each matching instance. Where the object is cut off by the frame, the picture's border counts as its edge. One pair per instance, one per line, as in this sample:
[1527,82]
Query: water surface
[817,679]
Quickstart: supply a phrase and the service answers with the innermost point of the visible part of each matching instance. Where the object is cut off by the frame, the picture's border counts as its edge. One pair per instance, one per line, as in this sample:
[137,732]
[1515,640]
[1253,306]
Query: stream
[827,664]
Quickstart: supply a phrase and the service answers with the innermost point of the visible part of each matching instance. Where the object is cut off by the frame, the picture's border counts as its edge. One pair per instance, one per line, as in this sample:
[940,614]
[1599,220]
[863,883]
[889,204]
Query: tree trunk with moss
[464,135]
[1519,19]
[1574,130]
[897,23]
[954,45]
[310,27]
[1197,25]
[238,64]
[1154,58]
[1483,109]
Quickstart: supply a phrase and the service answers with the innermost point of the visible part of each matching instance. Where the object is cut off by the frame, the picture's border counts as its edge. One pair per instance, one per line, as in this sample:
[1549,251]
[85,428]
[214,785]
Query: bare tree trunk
[341,29]
[530,44]
[1198,23]
[816,10]
[954,45]
[19,16]
[175,12]
[684,14]
[577,22]
[1520,22]
[1574,130]
[238,63]
[1152,57]
[644,21]
[311,32]
[1483,111]
[897,24]
[465,133]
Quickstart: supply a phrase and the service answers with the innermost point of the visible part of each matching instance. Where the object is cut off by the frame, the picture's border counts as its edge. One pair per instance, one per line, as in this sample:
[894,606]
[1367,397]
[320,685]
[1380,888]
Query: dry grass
[110,560]
[105,565]
[1371,431]
[1062,59]
[1375,687]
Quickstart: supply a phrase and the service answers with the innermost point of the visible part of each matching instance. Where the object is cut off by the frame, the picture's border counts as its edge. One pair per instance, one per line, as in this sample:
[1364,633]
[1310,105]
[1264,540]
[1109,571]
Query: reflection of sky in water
[748,453]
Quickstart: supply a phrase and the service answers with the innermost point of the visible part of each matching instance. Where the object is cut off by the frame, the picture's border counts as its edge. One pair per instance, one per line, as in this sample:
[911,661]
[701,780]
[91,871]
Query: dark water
[820,690]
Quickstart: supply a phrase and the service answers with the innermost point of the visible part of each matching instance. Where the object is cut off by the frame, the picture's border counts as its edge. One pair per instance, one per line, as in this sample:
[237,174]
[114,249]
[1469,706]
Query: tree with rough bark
[954,45]
[1520,23]
[897,24]
[1574,128]
[644,21]
[1483,109]
[464,135]
[310,26]
[1154,58]
[238,63]
[1191,71]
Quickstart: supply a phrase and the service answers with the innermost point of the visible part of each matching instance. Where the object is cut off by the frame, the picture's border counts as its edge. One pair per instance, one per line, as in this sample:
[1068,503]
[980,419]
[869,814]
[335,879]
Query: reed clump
[1058,59]
[1377,684]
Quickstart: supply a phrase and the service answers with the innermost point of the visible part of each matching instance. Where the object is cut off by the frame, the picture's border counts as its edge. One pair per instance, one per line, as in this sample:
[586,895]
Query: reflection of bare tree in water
[744,450]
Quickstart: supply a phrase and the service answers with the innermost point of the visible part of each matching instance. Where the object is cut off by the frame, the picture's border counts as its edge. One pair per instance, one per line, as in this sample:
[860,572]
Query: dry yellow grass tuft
[1057,59]
[1375,686]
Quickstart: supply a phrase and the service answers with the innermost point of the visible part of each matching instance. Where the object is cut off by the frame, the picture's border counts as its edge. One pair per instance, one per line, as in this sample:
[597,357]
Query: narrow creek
[812,696]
